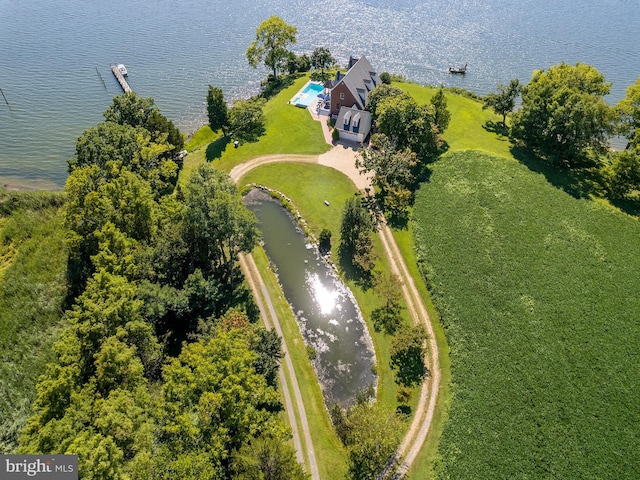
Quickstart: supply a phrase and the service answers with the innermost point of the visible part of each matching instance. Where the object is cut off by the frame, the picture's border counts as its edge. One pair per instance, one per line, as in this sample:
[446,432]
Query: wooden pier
[121,80]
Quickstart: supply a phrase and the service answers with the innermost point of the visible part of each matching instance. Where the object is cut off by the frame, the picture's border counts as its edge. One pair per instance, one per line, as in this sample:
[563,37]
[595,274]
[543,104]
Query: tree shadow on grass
[216,148]
[577,182]
[273,87]
[498,128]
[354,273]
[630,206]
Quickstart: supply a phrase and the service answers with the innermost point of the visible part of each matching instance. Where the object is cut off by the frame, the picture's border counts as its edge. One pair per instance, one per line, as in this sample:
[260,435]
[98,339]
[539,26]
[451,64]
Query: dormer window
[356,123]
[347,121]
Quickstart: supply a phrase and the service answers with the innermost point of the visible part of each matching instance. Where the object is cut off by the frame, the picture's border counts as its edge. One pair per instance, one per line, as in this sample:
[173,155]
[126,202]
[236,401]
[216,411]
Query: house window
[341,95]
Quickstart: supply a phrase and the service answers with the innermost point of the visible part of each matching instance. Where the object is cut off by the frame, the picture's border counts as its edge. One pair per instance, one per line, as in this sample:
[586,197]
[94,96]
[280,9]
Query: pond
[325,309]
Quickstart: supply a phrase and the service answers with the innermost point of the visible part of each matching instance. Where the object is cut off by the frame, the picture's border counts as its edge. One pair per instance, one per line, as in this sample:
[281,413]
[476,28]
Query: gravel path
[286,373]
[342,158]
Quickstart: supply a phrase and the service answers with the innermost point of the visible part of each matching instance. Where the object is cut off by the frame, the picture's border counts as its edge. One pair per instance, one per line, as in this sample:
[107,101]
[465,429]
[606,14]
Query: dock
[121,80]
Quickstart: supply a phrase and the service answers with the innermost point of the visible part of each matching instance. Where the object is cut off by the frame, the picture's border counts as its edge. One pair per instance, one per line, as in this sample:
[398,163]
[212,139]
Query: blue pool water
[307,95]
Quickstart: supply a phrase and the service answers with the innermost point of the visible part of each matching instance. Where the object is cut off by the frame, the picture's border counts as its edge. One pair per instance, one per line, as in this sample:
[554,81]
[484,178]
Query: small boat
[122,69]
[461,70]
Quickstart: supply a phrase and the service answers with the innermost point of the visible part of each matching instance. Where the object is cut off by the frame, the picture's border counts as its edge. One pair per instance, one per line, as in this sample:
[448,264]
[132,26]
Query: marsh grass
[32,296]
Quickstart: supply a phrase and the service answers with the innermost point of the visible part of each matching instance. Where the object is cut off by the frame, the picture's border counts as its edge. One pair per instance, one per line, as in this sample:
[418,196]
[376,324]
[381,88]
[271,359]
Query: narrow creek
[326,312]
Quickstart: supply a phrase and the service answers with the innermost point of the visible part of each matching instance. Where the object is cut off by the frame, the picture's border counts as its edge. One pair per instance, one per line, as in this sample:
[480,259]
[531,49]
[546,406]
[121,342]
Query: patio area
[310,95]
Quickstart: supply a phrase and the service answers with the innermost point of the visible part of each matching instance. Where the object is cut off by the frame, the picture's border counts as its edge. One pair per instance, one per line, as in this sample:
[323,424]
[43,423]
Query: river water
[55,55]
[326,312]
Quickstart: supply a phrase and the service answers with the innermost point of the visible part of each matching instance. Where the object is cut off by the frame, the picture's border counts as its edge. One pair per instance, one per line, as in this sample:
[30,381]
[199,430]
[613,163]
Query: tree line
[565,120]
[162,370]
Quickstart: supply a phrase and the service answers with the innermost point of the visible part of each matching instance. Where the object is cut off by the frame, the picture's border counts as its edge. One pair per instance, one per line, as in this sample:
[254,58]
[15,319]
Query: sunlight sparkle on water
[324,297]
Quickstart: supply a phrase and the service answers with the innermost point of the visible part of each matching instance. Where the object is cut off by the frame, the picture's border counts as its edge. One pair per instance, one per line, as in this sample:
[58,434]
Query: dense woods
[161,371]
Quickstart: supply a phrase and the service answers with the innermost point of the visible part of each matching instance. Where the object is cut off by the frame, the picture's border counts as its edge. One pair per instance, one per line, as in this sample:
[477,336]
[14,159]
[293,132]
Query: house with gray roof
[353,87]
[349,91]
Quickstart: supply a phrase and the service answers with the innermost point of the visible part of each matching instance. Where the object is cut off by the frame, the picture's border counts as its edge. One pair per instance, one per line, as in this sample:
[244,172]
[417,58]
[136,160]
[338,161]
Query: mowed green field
[539,296]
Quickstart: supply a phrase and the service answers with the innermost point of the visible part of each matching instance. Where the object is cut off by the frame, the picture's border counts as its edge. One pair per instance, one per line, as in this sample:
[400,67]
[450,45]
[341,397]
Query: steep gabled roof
[360,79]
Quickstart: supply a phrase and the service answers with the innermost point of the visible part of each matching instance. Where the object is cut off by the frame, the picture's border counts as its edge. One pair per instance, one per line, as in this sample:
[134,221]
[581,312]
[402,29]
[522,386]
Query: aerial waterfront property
[148,295]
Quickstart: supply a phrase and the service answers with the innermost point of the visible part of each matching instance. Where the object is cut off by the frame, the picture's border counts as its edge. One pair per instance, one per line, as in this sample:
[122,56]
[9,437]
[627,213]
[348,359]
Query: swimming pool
[307,95]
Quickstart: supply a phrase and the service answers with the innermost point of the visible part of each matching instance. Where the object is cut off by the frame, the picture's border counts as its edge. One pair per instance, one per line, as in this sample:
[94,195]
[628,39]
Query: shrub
[325,240]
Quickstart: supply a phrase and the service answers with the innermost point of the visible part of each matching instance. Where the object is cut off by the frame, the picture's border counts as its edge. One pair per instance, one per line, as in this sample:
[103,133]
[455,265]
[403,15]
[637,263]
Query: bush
[325,240]
[385,77]
[335,135]
[311,352]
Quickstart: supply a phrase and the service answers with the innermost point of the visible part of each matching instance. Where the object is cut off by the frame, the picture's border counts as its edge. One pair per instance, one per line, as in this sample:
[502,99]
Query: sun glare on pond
[325,298]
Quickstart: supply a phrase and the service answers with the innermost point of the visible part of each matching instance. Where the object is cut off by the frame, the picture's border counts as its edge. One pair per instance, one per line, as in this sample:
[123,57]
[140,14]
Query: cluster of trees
[408,137]
[565,119]
[356,229]
[371,435]
[271,46]
[244,121]
[162,371]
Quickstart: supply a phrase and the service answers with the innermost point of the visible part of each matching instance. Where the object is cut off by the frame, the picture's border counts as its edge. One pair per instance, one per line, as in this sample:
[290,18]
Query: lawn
[33,262]
[468,128]
[537,292]
[288,130]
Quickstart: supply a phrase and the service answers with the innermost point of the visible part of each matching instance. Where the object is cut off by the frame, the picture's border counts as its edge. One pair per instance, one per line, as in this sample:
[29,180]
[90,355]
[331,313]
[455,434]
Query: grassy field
[537,292]
[288,130]
[33,261]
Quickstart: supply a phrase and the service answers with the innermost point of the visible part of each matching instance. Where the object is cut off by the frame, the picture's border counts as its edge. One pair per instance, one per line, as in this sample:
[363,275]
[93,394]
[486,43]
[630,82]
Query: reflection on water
[326,312]
[325,298]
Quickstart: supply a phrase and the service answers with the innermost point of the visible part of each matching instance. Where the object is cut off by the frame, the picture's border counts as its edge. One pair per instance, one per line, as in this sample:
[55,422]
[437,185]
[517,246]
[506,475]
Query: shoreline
[16,184]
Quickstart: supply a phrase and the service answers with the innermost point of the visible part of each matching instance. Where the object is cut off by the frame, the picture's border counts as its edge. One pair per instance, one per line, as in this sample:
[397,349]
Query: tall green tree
[212,403]
[356,246]
[564,115]
[387,317]
[407,355]
[273,37]
[622,174]
[321,59]
[441,112]
[410,125]
[381,93]
[374,435]
[246,120]
[504,100]
[130,109]
[394,172]
[267,458]
[217,110]
[218,225]
[94,399]
[628,110]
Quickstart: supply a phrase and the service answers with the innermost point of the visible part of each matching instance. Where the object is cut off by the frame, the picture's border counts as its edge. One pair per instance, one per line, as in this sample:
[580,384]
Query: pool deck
[296,97]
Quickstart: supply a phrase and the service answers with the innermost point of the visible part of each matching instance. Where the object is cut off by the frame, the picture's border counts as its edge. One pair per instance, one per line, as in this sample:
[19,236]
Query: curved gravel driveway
[342,158]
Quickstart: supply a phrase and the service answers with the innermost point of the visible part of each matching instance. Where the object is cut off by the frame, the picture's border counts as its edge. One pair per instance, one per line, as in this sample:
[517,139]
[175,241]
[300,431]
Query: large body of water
[54,54]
